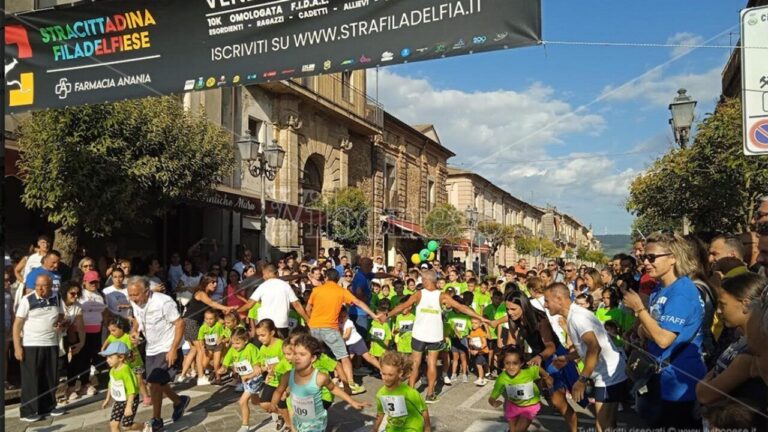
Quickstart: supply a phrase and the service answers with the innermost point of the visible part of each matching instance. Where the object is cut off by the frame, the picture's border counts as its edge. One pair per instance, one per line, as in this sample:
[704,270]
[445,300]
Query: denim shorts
[332,338]
[254,386]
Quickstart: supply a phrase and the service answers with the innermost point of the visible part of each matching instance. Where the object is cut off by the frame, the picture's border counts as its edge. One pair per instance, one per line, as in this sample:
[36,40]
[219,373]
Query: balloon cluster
[426,254]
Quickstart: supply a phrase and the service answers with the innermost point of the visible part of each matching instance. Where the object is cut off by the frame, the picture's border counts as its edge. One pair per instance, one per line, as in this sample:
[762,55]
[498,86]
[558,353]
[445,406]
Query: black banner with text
[119,49]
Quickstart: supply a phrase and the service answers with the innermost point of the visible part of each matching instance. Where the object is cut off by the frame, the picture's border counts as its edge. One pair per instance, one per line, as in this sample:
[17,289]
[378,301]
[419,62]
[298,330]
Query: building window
[43,4]
[255,127]
[390,176]
[431,191]
[346,86]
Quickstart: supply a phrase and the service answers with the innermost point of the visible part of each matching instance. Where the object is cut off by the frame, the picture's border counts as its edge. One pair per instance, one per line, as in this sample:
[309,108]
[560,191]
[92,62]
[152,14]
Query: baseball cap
[115,347]
[91,276]
[424,266]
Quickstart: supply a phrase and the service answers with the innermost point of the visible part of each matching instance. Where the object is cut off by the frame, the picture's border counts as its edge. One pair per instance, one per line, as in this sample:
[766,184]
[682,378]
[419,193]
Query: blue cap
[115,347]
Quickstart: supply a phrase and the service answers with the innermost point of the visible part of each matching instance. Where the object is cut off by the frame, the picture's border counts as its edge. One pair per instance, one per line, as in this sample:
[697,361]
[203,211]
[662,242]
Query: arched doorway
[311,192]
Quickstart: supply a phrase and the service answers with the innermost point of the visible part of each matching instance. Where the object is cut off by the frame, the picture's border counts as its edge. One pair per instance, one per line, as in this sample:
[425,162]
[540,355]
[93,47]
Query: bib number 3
[394,406]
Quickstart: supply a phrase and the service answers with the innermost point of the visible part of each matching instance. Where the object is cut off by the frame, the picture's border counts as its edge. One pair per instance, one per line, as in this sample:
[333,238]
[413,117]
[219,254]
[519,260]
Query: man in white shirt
[603,363]
[156,315]
[39,318]
[277,298]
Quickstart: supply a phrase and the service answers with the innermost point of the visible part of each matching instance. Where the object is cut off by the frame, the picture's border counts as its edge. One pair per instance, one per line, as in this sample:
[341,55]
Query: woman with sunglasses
[528,325]
[73,338]
[671,325]
[347,281]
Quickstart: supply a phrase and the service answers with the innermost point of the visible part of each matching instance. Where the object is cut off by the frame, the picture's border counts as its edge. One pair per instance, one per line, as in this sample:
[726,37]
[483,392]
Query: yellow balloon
[416,259]
[431,256]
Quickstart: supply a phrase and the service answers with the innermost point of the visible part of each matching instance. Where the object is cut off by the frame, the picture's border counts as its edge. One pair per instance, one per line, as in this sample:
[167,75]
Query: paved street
[462,407]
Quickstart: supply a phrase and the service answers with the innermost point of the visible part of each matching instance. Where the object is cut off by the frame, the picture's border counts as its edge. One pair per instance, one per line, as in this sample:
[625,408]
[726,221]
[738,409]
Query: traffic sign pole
[754,79]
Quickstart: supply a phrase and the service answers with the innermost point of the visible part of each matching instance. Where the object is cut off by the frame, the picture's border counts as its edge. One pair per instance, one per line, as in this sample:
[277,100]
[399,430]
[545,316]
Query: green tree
[526,245]
[596,256]
[445,223]
[712,182]
[549,249]
[581,253]
[348,214]
[91,169]
[497,235]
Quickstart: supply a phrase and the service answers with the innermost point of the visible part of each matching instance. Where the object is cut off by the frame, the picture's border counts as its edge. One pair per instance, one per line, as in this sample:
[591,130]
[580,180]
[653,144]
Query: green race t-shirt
[493,313]
[243,361]
[325,365]
[211,335]
[271,355]
[403,407]
[253,312]
[380,335]
[521,389]
[134,357]
[459,323]
[481,300]
[281,368]
[404,326]
[460,287]
[226,332]
[624,320]
[122,383]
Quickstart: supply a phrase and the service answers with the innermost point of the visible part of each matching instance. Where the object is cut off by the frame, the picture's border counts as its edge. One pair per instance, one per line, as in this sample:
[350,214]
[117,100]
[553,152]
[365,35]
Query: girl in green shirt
[272,361]
[245,360]
[118,331]
[403,405]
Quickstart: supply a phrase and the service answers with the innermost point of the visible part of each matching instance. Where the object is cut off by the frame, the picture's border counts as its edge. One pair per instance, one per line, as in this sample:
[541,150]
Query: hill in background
[615,243]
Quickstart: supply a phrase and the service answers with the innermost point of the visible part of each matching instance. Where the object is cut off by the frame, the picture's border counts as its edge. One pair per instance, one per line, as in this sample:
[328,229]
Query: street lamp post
[682,107]
[263,163]
[471,214]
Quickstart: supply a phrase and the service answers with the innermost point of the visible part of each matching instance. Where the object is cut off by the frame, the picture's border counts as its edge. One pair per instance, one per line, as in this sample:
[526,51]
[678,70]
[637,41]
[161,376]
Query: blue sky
[571,125]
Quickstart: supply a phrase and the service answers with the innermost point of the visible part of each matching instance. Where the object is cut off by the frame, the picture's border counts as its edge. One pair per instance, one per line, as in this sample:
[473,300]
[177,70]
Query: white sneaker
[447,380]
[31,418]
[91,391]
[180,379]
[480,382]
[203,381]
[454,377]
[465,378]
[56,412]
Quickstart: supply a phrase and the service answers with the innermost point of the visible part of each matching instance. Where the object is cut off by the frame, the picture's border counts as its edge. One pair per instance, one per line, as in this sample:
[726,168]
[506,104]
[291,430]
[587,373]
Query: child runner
[494,311]
[356,347]
[122,388]
[119,329]
[306,382]
[478,350]
[231,322]
[460,325]
[403,329]
[517,384]
[210,335]
[244,359]
[403,405]
[272,360]
[380,334]
[482,297]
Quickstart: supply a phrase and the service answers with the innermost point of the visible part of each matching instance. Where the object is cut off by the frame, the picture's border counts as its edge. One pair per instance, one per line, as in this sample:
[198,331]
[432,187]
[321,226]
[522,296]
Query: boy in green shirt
[123,388]
[482,298]
[494,311]
[460,326]
[380,334]
[403,405]
[210,335]
[119,329]
[403,329]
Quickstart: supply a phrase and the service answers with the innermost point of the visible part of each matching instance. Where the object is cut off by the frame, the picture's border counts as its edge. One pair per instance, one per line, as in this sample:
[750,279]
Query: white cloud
[659,89]
[684,38]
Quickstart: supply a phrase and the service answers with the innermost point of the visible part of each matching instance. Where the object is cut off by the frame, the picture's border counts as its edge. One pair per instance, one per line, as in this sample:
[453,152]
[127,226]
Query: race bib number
[520,391]
[212,339]
[394,406]
[117,390]
[378,334]
[460,325]
[243,367]
[476,342]
[293,323]
[304,407]
[406,326]
[272,361]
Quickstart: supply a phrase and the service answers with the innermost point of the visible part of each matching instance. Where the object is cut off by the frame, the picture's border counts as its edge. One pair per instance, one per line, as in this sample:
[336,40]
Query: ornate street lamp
[263,162]
[682,117]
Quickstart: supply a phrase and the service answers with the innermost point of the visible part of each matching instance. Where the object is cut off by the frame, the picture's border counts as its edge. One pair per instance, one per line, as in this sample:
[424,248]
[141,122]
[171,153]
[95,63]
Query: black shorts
[459,345]
[158,371]
[191,330]
[358,348]
[118,412]
[266,396]
[611,394]
[480,359]
[420,346]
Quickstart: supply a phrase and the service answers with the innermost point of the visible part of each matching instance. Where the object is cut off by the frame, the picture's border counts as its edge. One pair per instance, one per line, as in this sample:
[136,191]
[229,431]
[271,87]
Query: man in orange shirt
[323,309]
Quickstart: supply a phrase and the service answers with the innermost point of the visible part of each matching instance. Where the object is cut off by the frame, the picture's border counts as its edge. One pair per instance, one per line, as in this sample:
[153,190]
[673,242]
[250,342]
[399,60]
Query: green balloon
[433,246]
[424,254]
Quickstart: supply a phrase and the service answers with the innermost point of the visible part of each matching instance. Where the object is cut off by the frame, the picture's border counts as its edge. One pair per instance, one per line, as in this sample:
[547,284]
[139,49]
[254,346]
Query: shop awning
[463,245]
[392,224]
[249,204]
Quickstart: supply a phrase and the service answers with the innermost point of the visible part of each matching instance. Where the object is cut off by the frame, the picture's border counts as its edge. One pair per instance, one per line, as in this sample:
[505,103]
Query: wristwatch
[583,379]
[638,312]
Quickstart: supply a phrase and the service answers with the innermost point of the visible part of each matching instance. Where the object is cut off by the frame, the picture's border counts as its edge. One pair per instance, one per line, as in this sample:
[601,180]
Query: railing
[347,97]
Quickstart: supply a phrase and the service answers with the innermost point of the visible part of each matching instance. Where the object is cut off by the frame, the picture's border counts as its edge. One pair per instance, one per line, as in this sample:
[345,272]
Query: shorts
[254,385]
[266,396]
[118,412]
[512,411]
[420,346]
[191,330]
[459,345]
[480,359]
[214,348]
[358,348]
[332,338]
[612,393]
[158,371]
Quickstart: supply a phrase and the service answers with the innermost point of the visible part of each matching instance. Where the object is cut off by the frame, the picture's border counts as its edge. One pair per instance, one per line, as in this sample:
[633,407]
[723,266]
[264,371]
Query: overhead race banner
[118,49]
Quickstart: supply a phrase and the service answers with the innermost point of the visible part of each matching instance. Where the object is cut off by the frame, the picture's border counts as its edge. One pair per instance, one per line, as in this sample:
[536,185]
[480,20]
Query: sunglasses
[651,258]
[569,270]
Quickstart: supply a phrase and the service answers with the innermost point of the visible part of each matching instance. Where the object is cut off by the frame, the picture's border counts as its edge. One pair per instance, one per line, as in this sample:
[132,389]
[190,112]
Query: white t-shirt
[276,297]
[157,321]
[354,336]
[191,281]
[611,364]
[33,261]
[93,305]
[117,297]
[40,318]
